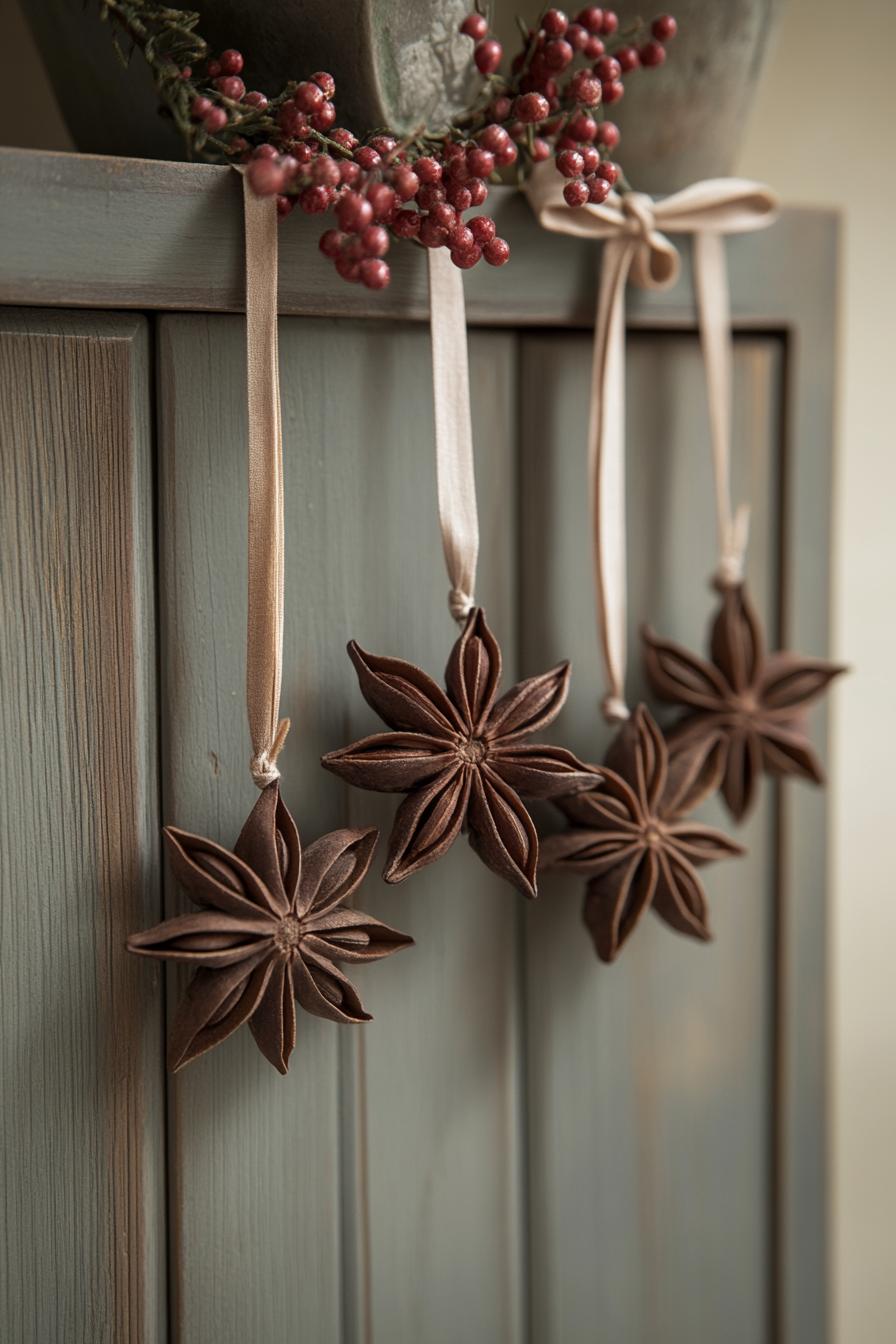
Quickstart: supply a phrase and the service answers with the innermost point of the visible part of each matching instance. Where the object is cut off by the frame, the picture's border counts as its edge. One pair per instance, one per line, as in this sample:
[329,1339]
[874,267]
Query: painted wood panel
[373,1193]
[81,1104]
[651,1081]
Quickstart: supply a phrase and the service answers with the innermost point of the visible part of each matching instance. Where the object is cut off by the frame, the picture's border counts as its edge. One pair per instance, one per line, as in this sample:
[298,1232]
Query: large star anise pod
[745,707]
[273,923]
[632,838]
[460,756]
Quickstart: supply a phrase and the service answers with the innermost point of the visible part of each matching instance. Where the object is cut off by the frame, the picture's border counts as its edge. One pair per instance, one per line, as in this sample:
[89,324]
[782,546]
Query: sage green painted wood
[81,1102]
[172,239]
[650,1082]
[373,1193]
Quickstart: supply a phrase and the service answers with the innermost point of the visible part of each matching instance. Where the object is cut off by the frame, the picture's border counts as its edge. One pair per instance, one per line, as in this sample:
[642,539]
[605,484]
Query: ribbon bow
[633,228]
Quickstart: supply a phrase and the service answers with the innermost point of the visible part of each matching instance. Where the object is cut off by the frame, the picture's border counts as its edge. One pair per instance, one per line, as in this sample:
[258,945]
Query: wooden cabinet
[524,1146]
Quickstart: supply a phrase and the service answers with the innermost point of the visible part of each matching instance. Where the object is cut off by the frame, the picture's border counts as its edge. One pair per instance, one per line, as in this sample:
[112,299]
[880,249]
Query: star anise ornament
[460,756]
[745,708]
[633,840]
[273,923]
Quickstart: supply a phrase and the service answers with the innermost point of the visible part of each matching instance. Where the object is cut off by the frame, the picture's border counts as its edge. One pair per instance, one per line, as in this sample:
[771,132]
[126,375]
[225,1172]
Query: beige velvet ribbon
[264,634]
[455,476]
[636,247]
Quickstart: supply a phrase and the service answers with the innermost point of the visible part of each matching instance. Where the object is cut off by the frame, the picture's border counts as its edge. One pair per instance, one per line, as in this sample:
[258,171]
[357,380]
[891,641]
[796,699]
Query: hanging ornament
[632,836]
[460,755]
[633,840]
[273,921]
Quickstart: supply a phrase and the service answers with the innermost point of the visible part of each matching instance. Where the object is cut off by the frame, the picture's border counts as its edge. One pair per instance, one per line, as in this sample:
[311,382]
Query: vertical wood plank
[82,1097]
[398,1139]
[650,1082]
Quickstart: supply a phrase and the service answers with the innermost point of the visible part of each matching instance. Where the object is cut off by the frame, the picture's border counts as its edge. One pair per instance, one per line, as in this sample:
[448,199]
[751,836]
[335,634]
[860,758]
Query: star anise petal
[638,753]
[350,935]
[333,867]
[615,902]
[696,766]
[273,1024]
[743,767]
[216,1003]
[474,671]
[614,806]
[529,706]
[540,771]
[736,643]
[216,878]
[679,898]
[680,676]
[404,697]
[702,844]
[789,683]
[501,830]
[323,990]
[210,939]
[787,751]
[269,845]
[428,822]
[591,852]
[390,762]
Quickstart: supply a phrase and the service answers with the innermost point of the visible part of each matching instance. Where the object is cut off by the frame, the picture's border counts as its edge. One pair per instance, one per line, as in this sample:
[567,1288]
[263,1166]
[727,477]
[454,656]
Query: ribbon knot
[635,247]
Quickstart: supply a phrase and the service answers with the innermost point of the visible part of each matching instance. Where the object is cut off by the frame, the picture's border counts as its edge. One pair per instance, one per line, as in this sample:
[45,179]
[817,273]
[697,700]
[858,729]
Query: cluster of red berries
[550,106]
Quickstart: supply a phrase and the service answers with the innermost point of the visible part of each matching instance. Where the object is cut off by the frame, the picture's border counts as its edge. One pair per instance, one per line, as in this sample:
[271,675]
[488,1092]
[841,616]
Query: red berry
[265,151]
[375,240]
[301,150]
[285,205]
[444,215]
[330,243]
[266,176]
[570,163]
[215,120]
[558,54]
[457,170]
[610,23]
[628,59]
[354,212]
[255,99]
[367,157]
[477,191]
[343,137]
[608,69]
[427,169]
[541,150]
[590,159]
[384,144]
[593,48]
[576,36]
[231,86]
[406,183]
[200,106]
[475,26]
[375,274]
[460,196]
[349,172]
[500,108]
[462,238]
[406,224]
[325,171]
[482,228]
[585,88]
[382,199]
[613,92]
[309,97]
[591,19]
[598,190]
[431,233]
[315,200]
[231,61]
[467,258]
[430,194]
[488,56]
[481,162]
[608,134]
[348,268]
[291,121]
[213,69]
[575,193]
[652,53]
[496,252]
[324,117]
[582,127]
[531,107]
[509,154]
[290,166]
[609,172]
[554,22]
[326,83]
[663,28]
[493,138]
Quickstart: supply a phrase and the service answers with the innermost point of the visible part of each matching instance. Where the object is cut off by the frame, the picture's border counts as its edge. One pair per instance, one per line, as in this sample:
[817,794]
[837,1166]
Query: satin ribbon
[264,631]
[455,476]
[636,248]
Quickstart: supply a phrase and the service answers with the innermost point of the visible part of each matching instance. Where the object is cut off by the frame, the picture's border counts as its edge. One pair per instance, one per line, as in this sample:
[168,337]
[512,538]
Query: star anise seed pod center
[289,934]
[654,833]
[473,751]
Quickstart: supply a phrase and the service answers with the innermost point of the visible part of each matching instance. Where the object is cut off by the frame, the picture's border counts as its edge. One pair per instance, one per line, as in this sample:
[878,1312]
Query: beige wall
[823,132]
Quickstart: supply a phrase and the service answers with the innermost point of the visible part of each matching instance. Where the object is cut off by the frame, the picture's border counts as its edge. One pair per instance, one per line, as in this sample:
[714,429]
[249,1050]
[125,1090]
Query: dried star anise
[460,756]
[272,925]
[745,708]
[633,840]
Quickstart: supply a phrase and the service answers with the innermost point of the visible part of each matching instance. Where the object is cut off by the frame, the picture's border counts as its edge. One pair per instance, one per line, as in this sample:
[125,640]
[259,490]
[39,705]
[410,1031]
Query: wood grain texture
[172,239]
[82,1096]
[372,1194]
[651,1081]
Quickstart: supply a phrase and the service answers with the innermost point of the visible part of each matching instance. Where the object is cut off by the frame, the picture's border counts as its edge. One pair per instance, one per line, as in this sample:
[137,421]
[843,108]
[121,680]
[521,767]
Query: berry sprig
[420,188]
